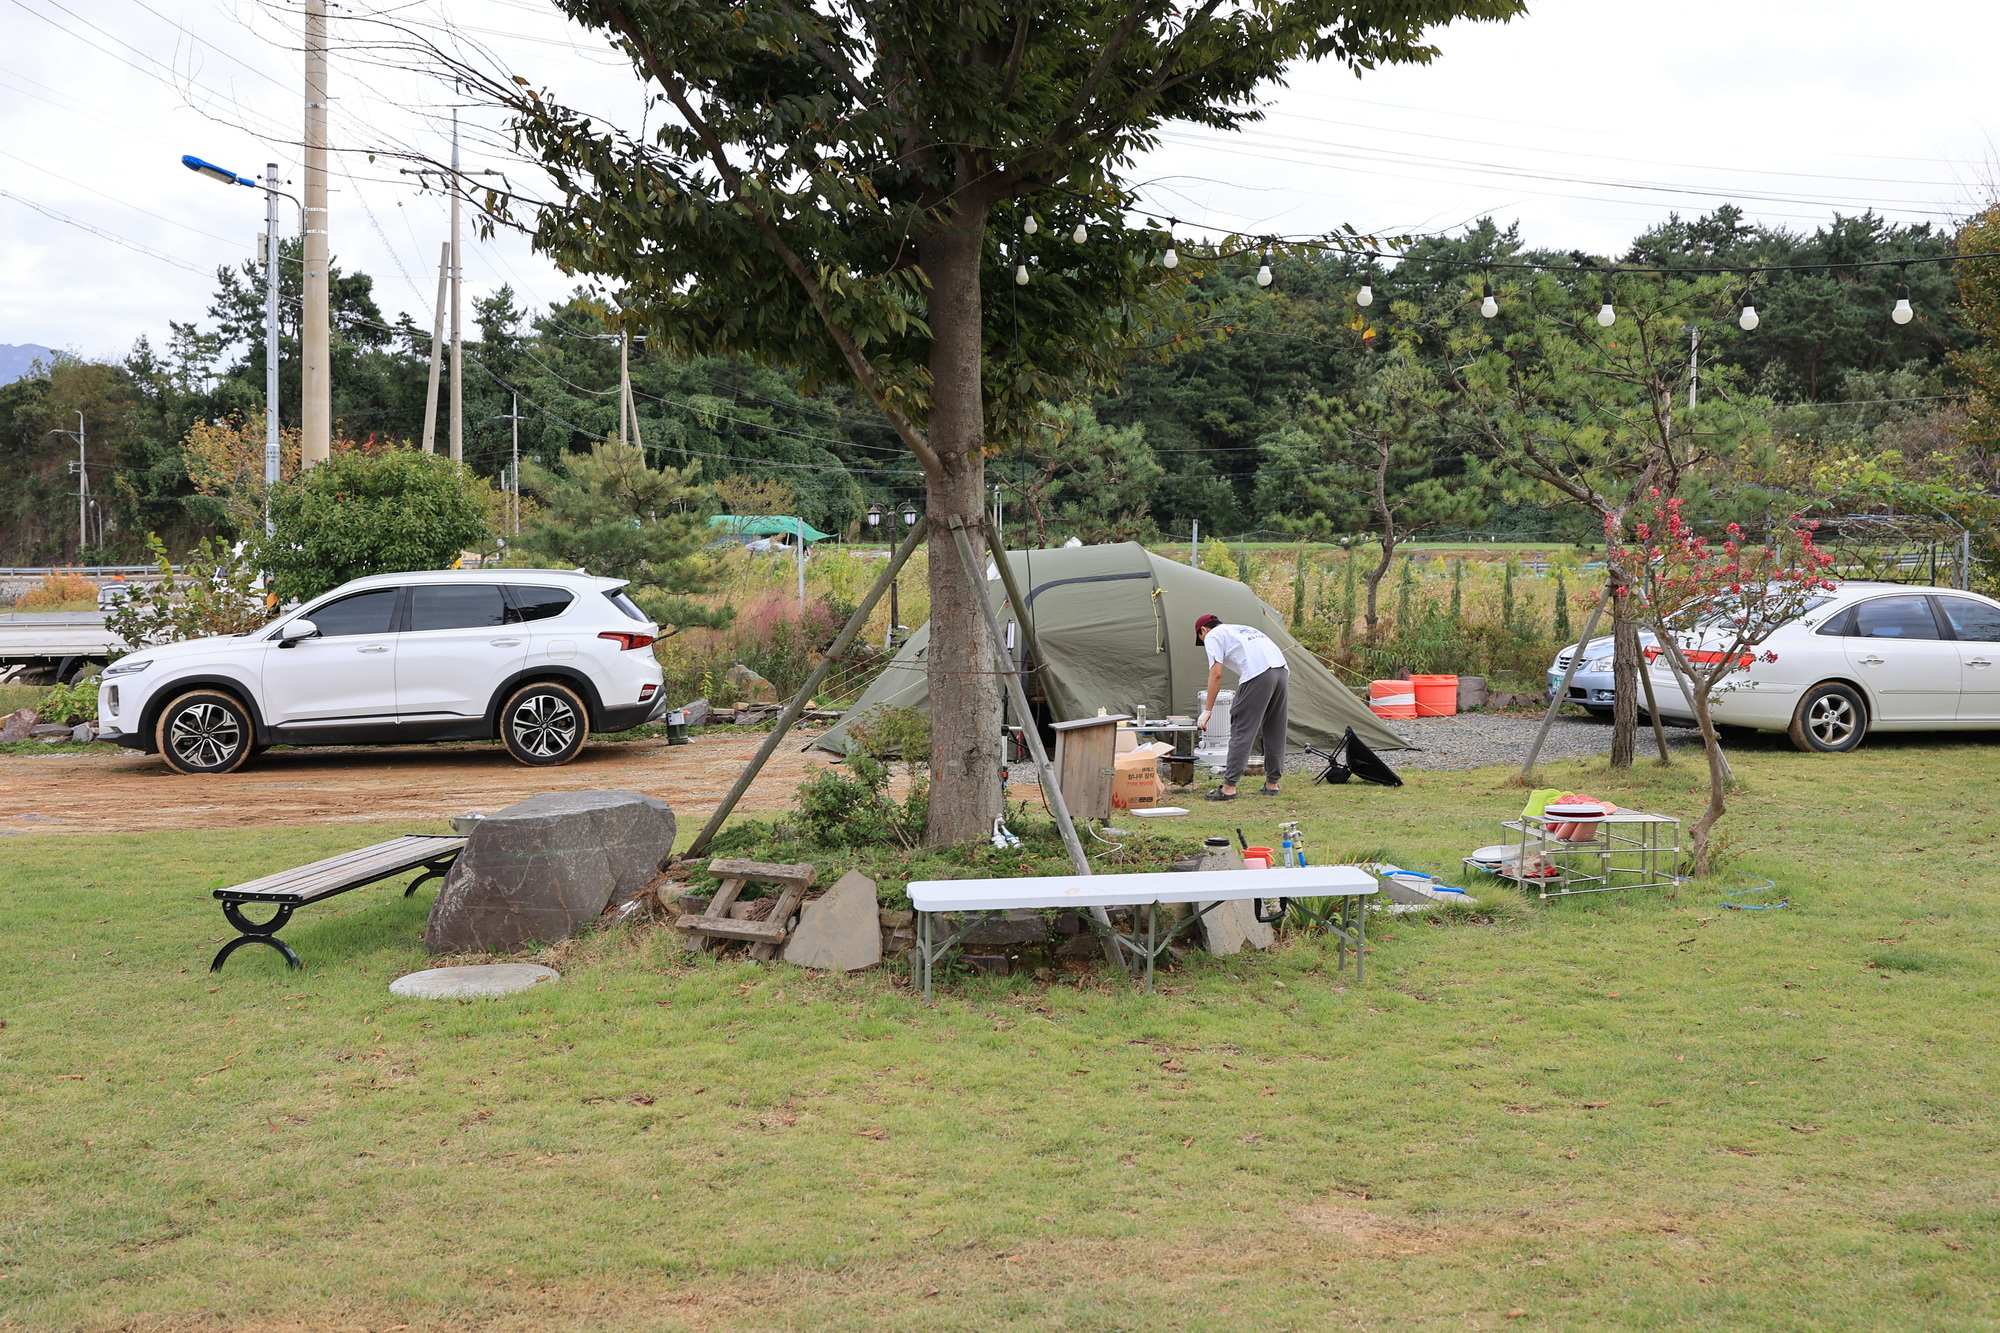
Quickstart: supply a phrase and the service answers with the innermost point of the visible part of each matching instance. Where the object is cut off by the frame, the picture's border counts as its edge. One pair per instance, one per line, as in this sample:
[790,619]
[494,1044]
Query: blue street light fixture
[271,192]
[213,172]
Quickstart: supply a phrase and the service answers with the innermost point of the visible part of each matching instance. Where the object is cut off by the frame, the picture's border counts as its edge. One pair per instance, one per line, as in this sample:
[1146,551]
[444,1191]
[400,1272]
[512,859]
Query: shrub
[69,704]
[213,594]
[59,588]
[854,809]
[382,512]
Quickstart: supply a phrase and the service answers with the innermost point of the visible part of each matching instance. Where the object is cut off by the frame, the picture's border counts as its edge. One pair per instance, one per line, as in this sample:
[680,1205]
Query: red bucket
[1437,696]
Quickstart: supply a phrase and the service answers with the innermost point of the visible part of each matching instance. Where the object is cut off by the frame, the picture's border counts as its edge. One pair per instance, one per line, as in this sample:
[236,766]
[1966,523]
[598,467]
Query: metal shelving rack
[1631,850]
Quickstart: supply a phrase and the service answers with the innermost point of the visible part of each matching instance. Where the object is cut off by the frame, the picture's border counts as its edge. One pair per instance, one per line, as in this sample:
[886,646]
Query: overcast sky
[1587,122]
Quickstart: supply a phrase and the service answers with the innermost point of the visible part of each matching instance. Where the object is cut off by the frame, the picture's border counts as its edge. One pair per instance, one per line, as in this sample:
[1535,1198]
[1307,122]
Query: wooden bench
[290,890]
[716,925]
[1207,889]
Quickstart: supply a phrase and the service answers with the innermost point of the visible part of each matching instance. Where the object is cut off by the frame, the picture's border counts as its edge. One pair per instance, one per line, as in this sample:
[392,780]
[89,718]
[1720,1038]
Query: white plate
[1499,854]
[1159,811]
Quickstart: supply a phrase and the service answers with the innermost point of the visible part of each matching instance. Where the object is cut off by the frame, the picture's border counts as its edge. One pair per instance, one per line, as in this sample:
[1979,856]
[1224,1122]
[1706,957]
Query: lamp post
[271,193]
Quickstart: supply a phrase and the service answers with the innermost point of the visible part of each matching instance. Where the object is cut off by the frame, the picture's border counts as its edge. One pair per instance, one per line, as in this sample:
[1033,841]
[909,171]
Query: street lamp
[909,513]
[271,193]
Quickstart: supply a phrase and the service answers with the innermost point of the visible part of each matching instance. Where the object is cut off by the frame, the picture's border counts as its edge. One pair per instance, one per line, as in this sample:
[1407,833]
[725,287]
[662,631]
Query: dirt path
[124,792]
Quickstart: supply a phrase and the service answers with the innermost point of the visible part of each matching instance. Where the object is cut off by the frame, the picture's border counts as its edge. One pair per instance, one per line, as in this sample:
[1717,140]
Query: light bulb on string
[1902,314]
[1748,320]
[1366,296]
[1607,314]
[1263,270]
[1081,234]
[1488,307]
[1170,259]
[1031,226]
[1020,275]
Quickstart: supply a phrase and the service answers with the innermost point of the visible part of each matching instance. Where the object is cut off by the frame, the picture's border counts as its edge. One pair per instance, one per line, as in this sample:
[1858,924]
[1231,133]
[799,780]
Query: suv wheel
[1831,719]
[544,725]
[204,731]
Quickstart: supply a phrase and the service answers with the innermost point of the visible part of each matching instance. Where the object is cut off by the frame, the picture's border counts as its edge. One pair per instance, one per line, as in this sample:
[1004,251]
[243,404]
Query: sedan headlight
[127,667]
[1599,664]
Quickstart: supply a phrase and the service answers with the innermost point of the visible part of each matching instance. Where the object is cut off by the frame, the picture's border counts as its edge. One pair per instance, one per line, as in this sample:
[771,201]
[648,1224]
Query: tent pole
[1014,599]
[1032,734]
[1562,690]
[805,694]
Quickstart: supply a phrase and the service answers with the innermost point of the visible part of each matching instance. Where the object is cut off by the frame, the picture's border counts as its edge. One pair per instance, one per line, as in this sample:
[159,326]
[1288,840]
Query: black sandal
[1220,795]
[1267,791]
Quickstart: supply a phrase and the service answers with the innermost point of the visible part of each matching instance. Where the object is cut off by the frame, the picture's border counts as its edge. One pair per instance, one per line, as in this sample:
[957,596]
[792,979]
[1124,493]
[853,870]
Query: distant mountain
[16,359]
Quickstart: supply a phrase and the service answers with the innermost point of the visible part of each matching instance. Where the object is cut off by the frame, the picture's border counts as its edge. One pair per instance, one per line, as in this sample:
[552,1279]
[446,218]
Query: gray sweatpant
[1259,709]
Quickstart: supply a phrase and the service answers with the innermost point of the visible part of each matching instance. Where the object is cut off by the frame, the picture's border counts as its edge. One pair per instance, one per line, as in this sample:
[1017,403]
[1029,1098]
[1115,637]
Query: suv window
[363,613]
[537,603]
[1972,620]
[618,599]
[457,606]
[1896,618]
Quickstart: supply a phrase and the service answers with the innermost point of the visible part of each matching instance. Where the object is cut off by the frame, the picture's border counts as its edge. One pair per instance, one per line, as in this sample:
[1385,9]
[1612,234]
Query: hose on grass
[1767,886]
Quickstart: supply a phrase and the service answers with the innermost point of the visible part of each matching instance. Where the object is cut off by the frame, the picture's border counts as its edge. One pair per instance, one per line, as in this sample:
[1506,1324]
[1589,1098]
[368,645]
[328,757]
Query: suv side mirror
[298,629]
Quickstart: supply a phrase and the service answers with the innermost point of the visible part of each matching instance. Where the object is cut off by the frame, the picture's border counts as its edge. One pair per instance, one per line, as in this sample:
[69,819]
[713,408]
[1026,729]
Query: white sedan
[1867,657]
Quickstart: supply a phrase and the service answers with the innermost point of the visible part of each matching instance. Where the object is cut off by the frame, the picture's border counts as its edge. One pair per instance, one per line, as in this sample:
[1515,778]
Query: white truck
[54,647]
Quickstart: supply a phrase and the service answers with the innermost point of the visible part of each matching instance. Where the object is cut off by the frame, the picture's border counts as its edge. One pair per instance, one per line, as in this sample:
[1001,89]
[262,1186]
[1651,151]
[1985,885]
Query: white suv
[538,657]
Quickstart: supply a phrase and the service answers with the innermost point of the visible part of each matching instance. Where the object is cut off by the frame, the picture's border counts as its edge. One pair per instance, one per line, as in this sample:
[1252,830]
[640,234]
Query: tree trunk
[965,794]
[1624,680]
[1719,776]
[1375,582]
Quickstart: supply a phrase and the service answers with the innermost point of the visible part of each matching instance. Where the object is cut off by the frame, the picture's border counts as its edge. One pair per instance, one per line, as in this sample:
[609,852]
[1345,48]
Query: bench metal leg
[1142,958]
[1346,925]
[924,957]
[432,870]
[255,932]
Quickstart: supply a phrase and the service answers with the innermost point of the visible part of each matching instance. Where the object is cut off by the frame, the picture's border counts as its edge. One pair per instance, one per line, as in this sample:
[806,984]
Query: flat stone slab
[1232,927]
[458,983]
[840,931]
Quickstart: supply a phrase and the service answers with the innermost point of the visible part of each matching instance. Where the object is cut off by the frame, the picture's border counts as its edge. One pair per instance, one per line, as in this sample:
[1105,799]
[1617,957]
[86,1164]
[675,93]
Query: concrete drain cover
[456,983]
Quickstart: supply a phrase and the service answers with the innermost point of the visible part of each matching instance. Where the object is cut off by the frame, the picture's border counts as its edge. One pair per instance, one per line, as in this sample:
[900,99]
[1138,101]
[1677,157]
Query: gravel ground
[1479,740]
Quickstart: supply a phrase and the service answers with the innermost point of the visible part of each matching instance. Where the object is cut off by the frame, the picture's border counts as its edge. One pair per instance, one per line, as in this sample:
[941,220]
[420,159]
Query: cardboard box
[1136,785]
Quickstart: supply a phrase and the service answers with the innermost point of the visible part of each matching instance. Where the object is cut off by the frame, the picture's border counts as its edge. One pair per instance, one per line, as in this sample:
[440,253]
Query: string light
[1902,314]
[1748,321]
[1366,296]
[1081,235]
[1020,275]
[1264,270]
[1488,307]
[1607,314]
[1031,226]
[1170,259]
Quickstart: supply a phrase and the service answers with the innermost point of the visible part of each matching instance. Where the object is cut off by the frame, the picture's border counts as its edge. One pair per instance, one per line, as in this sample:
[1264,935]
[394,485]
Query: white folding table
[1207,889]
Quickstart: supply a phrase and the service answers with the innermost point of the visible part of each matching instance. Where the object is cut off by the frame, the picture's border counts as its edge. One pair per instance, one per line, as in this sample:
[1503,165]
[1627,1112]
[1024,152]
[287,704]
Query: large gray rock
[840,931]
[543,867]
[19,725]
[697,713]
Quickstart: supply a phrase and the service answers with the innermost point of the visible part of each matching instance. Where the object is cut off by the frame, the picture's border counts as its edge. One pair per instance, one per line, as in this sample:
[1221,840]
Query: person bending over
[1261,681]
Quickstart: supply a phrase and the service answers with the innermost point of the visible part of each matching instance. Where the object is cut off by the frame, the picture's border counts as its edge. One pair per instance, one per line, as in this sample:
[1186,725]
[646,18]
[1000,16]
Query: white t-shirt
[1239,648]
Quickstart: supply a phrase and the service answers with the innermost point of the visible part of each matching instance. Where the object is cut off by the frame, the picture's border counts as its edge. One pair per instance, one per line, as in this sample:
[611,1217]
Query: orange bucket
[1437,696]
[1392,698]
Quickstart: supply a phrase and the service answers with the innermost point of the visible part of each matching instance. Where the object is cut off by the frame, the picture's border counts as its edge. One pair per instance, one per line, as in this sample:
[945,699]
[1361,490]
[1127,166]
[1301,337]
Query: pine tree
[1299,589]
[1562,609]
[1507,597]
[1457,588]
[1349,596]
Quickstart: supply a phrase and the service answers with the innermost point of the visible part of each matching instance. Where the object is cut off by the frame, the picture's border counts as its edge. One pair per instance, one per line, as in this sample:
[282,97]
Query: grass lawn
[1632,1111]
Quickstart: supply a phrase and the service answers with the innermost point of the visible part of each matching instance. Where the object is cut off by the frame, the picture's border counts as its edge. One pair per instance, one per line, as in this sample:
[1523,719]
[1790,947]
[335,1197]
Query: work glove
[1201,723]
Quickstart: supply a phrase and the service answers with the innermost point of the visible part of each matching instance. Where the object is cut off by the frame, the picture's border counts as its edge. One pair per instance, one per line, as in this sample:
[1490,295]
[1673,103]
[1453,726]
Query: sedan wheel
[544,725]
[204,731]
[1831,719]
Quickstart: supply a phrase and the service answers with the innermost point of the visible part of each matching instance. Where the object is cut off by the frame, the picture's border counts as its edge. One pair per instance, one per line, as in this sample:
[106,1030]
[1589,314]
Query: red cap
[1204,622]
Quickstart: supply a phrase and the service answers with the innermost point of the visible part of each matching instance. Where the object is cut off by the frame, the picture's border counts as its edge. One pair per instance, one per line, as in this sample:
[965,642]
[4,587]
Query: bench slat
[337,874]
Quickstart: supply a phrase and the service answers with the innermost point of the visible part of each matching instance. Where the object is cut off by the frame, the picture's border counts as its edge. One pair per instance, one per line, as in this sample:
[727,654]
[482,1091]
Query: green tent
[1116,626]
[748,526]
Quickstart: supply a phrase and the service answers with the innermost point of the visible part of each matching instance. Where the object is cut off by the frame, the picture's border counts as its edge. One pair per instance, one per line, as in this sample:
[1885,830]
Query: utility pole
[457,293]
[437,351]
[315,328]
[82,493]
[624,385]
[271,250]
[1694,362]
[1194,544]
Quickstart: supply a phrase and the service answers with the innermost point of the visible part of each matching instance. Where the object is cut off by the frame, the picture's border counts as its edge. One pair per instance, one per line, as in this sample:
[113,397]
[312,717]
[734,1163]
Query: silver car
[1591,686]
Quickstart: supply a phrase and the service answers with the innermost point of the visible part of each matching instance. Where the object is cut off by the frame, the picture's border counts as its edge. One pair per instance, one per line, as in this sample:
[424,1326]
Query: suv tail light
[627,642]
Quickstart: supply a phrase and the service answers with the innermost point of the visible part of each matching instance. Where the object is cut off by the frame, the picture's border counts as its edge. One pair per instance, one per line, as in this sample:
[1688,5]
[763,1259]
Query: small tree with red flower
[1712,605]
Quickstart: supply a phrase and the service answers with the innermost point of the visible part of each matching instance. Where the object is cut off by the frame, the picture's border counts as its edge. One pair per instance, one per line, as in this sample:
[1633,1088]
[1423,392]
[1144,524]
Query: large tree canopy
[840,182]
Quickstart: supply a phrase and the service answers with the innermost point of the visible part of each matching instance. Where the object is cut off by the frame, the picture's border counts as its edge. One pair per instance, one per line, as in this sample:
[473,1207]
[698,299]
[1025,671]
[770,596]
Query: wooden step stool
[716,925]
